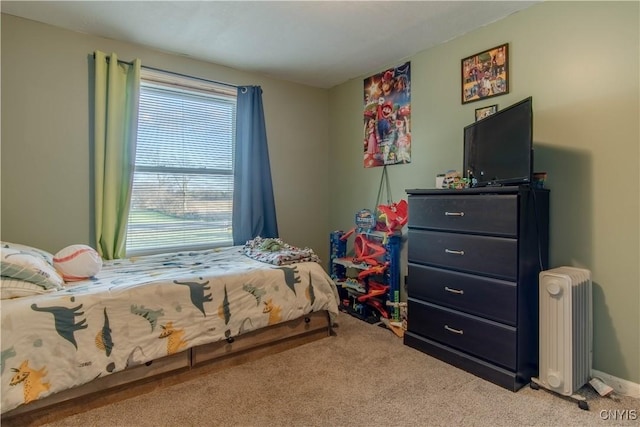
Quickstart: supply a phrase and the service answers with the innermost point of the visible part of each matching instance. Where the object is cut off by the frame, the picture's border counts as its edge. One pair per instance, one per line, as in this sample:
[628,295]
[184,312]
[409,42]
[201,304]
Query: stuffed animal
[392,217]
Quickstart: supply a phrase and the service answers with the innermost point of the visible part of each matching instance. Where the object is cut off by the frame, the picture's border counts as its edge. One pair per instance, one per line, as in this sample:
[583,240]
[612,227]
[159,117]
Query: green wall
[579,62]
[45,137]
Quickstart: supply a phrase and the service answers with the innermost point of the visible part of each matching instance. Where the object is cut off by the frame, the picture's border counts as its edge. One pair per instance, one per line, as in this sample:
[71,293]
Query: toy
[392,217]
[367,251]
[375,289]
[454,180]
[373,270]
[376,256]
[77,262]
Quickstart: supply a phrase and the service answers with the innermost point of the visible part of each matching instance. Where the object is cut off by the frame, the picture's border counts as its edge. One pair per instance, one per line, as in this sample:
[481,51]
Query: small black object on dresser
[474,258]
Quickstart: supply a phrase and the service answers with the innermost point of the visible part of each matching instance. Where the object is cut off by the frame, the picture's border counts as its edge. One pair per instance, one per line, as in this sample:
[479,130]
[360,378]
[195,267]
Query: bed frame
[171,370]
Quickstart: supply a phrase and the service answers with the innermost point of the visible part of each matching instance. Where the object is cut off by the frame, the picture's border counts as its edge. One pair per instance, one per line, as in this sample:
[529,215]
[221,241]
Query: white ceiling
[317,43]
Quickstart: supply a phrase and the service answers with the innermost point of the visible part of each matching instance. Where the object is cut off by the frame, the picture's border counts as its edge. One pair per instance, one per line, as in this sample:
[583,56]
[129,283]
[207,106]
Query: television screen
[498,148]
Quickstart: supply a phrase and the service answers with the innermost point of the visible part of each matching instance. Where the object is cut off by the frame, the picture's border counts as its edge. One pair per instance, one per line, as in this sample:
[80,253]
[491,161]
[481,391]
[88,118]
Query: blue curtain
[254,209]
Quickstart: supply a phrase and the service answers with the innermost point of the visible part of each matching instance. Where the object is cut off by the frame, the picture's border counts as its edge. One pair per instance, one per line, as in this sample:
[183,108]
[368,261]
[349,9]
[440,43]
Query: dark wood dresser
[474,258]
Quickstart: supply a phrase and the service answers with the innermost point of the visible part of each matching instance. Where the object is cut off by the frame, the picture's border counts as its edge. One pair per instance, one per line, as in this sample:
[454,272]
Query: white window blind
[183,180]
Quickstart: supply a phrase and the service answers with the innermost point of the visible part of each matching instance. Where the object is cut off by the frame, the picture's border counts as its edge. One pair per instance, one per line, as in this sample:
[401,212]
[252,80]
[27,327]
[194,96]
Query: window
[183,181]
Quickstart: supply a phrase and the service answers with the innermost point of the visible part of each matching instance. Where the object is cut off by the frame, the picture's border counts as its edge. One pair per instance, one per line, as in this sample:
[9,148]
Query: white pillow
[48,257]
[28,264]
[77,262]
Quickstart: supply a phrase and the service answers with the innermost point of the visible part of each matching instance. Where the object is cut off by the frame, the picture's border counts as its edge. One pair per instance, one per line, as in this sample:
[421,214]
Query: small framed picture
[485,74]
[483,112]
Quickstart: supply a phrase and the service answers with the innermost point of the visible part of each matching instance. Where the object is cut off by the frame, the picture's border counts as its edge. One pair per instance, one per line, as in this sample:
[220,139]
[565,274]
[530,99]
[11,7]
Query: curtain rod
[190,77]
[175,74]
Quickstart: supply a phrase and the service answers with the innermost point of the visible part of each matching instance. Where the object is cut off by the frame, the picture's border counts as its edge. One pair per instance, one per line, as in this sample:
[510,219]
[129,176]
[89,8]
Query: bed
[145,316]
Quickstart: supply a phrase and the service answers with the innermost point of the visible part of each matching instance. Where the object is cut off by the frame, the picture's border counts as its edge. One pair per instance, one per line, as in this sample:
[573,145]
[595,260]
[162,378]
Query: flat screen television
[498,150]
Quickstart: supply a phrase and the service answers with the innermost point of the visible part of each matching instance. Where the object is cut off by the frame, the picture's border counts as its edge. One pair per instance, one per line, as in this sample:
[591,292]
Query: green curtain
[117,94]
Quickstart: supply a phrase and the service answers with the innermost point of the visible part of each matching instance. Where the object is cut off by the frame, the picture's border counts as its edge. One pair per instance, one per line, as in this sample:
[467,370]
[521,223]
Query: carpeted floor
[363,375]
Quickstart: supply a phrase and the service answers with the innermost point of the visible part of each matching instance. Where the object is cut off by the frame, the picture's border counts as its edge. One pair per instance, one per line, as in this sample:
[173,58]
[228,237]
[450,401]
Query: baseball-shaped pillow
[77,262]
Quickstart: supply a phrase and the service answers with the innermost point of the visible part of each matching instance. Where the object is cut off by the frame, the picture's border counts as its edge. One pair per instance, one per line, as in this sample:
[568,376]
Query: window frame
[190,86]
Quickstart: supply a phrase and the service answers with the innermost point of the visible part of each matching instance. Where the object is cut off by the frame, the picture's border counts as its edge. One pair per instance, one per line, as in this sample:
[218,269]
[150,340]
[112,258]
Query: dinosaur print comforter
[139,309]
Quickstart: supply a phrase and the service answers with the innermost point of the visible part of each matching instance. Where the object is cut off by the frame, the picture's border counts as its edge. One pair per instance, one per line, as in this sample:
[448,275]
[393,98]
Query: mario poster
[387,117]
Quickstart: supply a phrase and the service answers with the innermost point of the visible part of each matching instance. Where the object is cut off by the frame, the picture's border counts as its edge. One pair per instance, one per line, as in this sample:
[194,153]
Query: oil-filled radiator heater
[566,331]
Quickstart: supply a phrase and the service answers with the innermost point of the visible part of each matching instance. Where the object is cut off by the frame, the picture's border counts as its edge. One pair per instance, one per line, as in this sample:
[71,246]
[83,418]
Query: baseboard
[620,386]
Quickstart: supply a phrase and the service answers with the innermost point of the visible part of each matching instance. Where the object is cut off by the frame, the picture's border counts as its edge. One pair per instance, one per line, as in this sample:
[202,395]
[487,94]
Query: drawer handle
[454,214]
[451,251]
[455,331]
[454,291]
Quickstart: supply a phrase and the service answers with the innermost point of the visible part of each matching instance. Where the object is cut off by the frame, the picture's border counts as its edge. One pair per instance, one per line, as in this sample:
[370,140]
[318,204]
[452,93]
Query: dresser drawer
[483,338]
[487,255]
[489,214]
[483,296]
